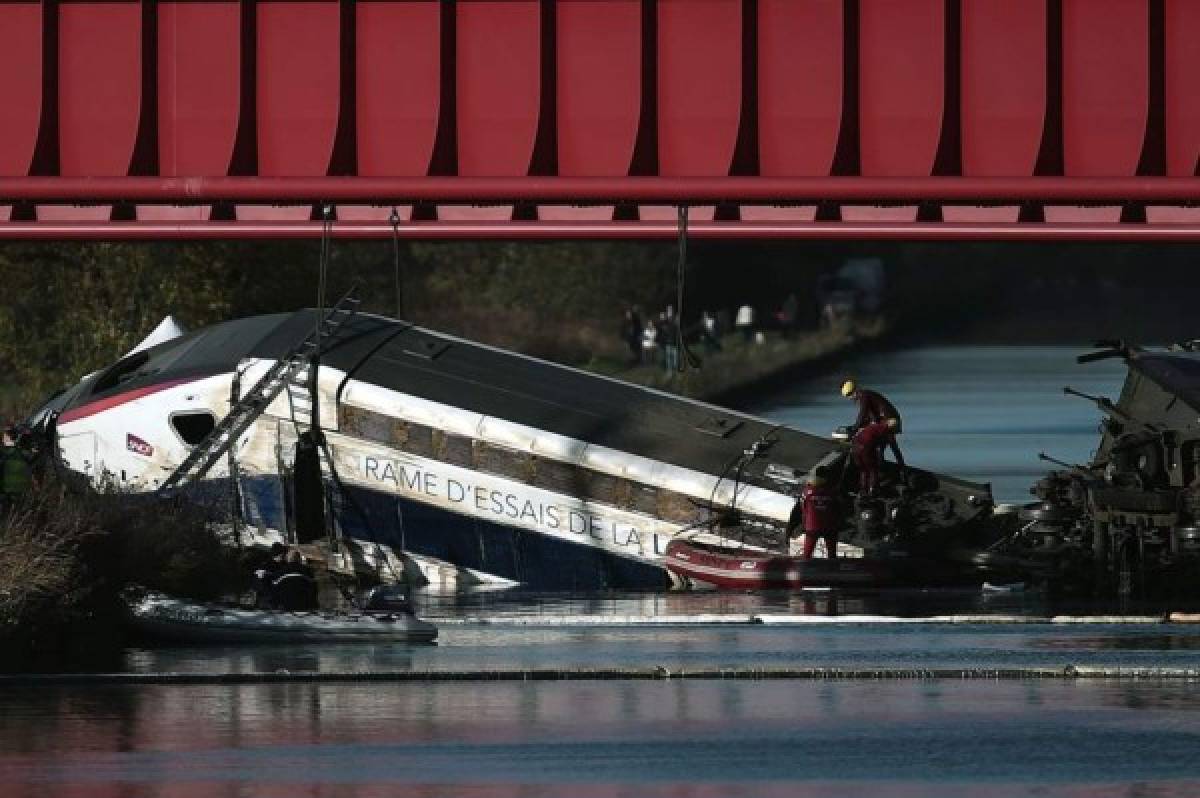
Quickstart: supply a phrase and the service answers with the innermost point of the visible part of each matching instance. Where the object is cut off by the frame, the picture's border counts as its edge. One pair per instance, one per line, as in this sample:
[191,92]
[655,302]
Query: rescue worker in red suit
[818,513]
[874,407]
[867,450]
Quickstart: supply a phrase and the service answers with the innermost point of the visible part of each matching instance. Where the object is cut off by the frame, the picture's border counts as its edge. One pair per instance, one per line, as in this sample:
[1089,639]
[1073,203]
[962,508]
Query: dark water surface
[980,413]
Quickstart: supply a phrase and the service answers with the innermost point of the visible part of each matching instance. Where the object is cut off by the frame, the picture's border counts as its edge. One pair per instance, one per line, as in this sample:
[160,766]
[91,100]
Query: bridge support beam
[590,230]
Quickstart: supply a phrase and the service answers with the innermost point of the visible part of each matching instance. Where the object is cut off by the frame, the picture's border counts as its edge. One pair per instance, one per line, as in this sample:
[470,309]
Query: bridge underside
[585,231]
[924,119]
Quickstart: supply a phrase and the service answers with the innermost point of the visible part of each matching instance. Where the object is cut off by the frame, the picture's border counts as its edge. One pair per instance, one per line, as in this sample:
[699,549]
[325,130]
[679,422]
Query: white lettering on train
[532,511]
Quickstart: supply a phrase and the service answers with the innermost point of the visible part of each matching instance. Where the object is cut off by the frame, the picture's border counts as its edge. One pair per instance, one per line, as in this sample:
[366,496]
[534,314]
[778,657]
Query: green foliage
[69,309]
[584,282]
[557,300]
[67,553]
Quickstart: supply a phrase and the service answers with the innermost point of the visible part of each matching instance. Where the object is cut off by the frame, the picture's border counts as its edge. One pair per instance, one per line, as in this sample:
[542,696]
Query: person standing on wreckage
[818,514]
[875,429]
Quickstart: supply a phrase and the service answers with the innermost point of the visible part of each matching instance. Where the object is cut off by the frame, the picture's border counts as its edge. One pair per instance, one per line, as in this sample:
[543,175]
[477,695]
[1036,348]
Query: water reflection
[518,604]
[819,645]
[603,739]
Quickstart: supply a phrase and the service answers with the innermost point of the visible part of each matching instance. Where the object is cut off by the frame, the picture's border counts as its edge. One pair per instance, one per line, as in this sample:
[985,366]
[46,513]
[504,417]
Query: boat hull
[745,569]
[165,618]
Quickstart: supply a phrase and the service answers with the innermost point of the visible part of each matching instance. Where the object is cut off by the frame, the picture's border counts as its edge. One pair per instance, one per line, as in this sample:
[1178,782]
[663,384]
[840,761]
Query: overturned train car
[1128,521]
[462,461]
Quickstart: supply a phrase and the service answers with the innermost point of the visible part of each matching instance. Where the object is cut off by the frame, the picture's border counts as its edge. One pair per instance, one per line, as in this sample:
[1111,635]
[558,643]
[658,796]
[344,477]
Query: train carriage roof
[1177,372]
[558,399]
[481,379]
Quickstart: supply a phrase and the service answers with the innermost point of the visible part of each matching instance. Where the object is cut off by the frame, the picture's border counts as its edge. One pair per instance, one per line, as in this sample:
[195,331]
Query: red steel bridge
[916,119]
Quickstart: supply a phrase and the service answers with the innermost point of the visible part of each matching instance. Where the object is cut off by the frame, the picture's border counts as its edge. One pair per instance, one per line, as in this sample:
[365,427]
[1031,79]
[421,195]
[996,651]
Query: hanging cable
[322,277]
[689,358]
[323,268]
[395,221]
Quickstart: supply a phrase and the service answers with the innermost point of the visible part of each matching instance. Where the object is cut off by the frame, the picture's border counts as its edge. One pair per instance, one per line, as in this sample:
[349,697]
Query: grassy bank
[67,553]
[741,367]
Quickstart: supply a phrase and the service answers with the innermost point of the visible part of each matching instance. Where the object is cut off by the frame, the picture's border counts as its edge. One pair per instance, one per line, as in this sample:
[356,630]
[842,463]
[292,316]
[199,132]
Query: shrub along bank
[67,553]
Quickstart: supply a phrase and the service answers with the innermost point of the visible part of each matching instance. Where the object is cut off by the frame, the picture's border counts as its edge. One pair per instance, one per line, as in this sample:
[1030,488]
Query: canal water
[918,739]
[980,413]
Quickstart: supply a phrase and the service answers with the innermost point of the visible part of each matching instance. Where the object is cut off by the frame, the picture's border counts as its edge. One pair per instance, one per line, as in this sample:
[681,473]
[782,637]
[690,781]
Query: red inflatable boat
[750,569]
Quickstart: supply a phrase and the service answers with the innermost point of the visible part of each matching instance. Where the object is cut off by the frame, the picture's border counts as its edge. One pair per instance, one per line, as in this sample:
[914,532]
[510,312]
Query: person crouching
[867,451]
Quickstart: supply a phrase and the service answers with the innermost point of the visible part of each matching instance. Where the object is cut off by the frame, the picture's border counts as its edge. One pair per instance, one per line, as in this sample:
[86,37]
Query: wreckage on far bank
[428,457]
[1128,521]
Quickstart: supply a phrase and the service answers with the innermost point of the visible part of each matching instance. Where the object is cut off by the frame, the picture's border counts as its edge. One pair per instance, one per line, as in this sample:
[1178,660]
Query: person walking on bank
[649,343]
[818,513]
[670,339]
[874,407]
[631,334]
[710,332]
[745,322]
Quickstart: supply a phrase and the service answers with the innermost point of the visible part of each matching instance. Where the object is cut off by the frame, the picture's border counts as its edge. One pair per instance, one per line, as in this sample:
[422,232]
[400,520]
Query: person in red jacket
[874,407]
[818,513]
[867,450]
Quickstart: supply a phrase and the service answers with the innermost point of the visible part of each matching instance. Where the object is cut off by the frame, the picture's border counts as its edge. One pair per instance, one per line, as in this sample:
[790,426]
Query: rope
[313,377]
[689,358]
[395,220]
[323,268]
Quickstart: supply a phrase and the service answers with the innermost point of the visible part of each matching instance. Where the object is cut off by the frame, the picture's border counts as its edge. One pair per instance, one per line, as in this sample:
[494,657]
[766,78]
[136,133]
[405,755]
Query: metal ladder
[292,371]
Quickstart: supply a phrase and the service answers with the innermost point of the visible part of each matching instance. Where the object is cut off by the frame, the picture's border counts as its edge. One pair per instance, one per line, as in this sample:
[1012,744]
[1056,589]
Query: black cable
[689,358]
[729,466]
[739,462]
[395,221]
[323,268]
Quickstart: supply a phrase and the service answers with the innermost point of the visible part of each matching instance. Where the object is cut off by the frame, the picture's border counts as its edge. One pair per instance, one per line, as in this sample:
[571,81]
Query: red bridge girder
[590,118]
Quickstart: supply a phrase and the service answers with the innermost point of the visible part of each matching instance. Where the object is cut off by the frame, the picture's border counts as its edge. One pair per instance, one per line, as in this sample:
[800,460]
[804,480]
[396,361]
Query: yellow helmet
[848,388]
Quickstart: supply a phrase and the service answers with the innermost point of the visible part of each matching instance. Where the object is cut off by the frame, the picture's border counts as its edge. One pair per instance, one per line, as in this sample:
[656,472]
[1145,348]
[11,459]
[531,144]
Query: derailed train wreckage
[433,458]
[426,457]
[1128,521]
[421,456]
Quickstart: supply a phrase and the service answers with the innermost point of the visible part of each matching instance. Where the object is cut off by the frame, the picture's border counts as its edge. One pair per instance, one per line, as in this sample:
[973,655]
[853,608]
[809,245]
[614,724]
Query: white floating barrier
[603,620]
[782,619]
[659,672]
